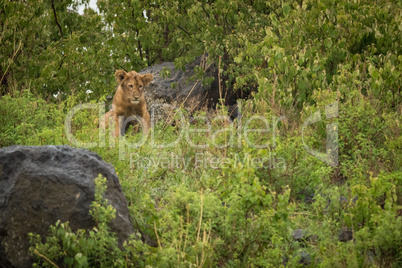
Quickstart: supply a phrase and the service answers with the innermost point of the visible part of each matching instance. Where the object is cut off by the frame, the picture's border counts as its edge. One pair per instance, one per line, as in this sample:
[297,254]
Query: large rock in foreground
[40,185]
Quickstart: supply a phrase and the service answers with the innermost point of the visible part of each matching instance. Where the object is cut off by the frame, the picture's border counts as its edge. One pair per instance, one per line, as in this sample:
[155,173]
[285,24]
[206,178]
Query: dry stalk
[220,96]
[219,79]
[188,222]
[12,59]
[180,241]
[188,95]
[273,93]
[206,240]
[157,236]
[171,118]
[199,224]
[46,259]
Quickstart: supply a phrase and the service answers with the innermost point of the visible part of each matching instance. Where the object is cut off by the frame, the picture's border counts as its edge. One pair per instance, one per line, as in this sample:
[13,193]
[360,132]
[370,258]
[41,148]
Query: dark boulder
[303,236]
[40,185]
[179,87]
[345,234]
[300,235]
[305,258]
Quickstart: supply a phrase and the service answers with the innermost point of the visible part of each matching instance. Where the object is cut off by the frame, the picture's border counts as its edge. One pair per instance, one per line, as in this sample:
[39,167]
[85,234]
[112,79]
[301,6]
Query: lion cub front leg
[118,121]
[146,122]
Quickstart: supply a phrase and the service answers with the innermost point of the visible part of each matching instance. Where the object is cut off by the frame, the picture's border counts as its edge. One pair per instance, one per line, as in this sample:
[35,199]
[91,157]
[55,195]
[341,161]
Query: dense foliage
[223,207]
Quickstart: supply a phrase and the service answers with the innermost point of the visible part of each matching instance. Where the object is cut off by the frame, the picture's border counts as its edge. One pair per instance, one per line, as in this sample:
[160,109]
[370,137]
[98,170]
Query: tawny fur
[129,100]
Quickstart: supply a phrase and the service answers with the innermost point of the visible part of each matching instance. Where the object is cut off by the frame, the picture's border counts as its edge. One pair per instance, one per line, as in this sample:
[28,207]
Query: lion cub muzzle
[135,100]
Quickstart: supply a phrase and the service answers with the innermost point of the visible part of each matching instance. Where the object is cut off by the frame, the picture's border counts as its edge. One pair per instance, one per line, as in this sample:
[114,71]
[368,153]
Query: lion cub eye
[140,86]
[130,86]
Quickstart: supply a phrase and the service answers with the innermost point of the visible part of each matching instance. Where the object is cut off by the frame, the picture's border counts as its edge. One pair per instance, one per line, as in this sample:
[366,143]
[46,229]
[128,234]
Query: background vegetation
[296,57]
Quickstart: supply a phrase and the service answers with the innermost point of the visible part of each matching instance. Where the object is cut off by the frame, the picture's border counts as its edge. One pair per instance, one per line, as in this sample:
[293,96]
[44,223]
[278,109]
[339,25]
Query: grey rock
[40,185]
[162,112]
[343,200]
[305,258]
[309,198]
[234,111]
[308,194]
[345,234]
[186,90]
[284,260]
[300,235]
[180,88]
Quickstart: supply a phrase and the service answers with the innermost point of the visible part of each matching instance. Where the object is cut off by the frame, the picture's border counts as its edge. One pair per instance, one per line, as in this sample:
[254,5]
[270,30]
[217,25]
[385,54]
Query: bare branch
[183,30]
[205,11]
[55,18]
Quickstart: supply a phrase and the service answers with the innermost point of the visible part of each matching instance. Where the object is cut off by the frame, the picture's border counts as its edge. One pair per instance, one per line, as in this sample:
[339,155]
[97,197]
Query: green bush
[221,205]
[96,247]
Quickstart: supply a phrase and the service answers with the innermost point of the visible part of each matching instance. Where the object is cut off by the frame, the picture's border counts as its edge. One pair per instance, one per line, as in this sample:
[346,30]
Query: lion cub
[129,101]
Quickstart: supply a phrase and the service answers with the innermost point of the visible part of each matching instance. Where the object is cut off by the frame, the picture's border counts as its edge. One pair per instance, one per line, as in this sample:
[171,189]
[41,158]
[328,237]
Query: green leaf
[375,74]
[286,10]
[238,59]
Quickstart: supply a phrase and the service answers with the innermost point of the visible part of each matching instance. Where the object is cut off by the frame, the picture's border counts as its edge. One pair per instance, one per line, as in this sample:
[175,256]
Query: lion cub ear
[120,75]
[147,78]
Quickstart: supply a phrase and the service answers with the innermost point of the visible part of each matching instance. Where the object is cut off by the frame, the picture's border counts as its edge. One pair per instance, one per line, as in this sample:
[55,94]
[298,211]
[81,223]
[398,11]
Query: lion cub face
[133,85]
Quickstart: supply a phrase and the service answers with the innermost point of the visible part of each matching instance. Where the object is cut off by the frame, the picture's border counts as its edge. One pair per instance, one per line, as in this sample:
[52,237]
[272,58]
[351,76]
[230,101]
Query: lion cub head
[133,85]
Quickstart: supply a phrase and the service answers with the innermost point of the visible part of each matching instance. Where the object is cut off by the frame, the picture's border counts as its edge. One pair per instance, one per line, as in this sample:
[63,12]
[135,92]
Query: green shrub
[83,248]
